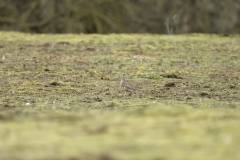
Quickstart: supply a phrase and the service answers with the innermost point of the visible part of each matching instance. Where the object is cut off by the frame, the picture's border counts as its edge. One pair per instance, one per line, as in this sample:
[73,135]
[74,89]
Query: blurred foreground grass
[157,132]
[60,97]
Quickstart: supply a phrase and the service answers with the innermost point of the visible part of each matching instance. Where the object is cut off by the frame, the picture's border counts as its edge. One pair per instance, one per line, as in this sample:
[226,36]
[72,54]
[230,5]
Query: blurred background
[121,16]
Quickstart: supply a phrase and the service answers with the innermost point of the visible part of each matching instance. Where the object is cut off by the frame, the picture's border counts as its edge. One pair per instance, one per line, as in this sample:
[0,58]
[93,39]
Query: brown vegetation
[108,16]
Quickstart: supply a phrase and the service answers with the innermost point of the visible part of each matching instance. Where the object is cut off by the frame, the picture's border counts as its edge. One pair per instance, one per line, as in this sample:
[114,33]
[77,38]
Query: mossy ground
[61,98]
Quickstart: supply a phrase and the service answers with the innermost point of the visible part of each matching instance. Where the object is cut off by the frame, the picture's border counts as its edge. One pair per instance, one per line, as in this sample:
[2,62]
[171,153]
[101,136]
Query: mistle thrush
[126,86]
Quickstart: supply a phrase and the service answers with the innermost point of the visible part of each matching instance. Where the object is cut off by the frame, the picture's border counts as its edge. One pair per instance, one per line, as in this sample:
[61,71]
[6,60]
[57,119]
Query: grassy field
[61,98]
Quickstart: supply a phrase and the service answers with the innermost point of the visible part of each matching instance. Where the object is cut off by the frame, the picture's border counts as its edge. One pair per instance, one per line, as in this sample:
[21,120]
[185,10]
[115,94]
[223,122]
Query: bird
[126,86]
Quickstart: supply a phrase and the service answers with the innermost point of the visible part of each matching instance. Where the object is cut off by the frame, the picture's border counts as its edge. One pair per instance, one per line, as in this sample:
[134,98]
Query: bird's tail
[136,92]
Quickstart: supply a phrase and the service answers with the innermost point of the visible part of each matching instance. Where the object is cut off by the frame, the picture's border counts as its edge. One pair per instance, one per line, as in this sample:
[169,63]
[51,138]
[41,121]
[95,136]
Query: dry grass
[61,99]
